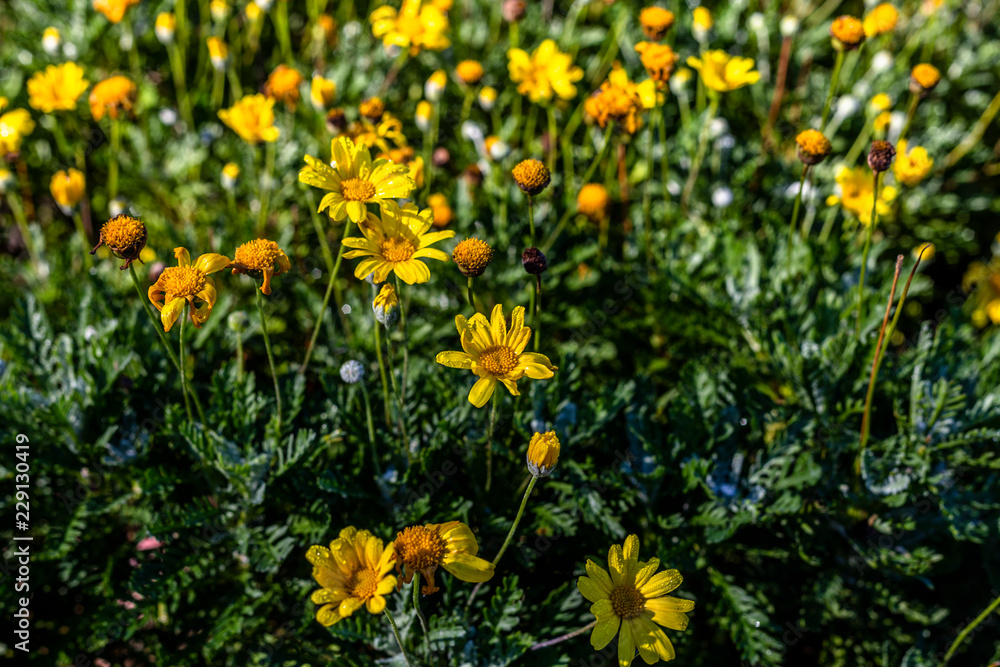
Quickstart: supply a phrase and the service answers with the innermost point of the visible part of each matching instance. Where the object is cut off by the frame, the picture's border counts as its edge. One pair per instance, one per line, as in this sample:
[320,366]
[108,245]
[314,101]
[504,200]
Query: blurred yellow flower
[592,201]
[881,102]
[882,121]
[406,155]
[440,210]
[911,166]
[451,546]
[812,146]
[322,92]
[384,135]
[113,96]
[253,12]
[434,86]
[261,259]
[855,188]
[983,281]
[393,241]
[496,354]
[880,20]
[354,180]
[655,22]
[924,78]
[57,88]
[252,118]
[14,126]
[218,52]
[164,28]
[722,72]
[703,18]
[51,40]
[487,97]
[187,283]
[353,573]
[547,72]
[67,187]
[659,61]
[414,26]
[219,9]
[230,172]
[283,86]
[621,101]
[328,28]
[469,72]
[632,602]
[422,115]
[114,10]
[847,32]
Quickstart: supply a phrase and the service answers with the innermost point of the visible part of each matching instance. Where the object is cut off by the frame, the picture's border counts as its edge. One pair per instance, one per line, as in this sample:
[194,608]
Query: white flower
[352,372]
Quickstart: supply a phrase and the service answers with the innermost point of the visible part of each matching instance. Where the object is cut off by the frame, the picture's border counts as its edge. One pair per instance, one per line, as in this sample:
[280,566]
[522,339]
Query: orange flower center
[627,602]
[364,583]
[397,250]
[182,281]
[355,189]
[419,548]
[258,255]
[123,232]
[498,360]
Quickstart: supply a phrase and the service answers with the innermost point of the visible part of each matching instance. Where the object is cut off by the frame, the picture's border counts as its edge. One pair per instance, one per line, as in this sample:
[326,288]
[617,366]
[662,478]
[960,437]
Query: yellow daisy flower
[114,10]
[723,72]
[394,241]
[67,187]
[352,573]
[449,545]
[632,602]
[57,88]
[496,354]
[261,259]
[354,180]
[15,125]
[621,101]
[252,118]
[414,26]
[112,96]
[187,283]
[912,164]
[855,192]
[547,72]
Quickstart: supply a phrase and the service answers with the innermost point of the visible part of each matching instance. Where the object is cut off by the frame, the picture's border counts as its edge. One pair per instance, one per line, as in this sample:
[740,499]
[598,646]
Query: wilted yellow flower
[655,22]
[14,126]
[496,354]
[911,166]
[659,61]
[252,118]
[723,72]
[414,26]
[880,20]
[125,236]
[114,10]
[283,86]
[813,146]
[592,201]
[543,454]
[472,256]
[451,546]
[187,283]
[57,88]
[67,187]
[547,72]
[112,97]
[532,176]
[924,78]
[847,32]
[393,241]
[164,27]
[353,573]
[354,180]
[261,259]
[322,92]
[632,602]
[218,52]
[469,72]
[51,40]
[621,101]
[855,191]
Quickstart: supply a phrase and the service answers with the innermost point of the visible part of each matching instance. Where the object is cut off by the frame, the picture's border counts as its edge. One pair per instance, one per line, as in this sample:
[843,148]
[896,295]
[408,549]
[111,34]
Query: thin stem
[239,357]
[531,218]
[381,370]
[969,628]
[537,320]
[395,632]
[406,343]
[865,419]
[471,296]
[326,300]
[177,68]
[320,232]
[568,635]
[864,257]
[713,108]
[974,136]
[371,428]
[600,154]
[834,79]
[270,355]
[795,216]
[266,186]
[489,439]
[116,146]
[281,24]
[420,614]
[88,261]
[911,111]
[184,387]
[553,137]
[517,520]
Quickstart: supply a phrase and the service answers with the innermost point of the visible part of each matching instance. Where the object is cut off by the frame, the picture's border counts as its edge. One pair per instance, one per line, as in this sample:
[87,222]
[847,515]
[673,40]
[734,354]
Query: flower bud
[386,306]
[534,261]
[51,41]
[543,454]
[164,29]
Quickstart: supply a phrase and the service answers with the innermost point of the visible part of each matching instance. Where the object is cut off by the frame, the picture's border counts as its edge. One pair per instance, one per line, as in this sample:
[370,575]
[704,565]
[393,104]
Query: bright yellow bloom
[703,18]
[15,125]
[855,191]
[496,354]
[469,72]
[261,259]
[252,118]
[621,101]
[415,163]
[546,72]
[114,10]
[218,52]
[283,86]
[57,88]
[112,97]
[414,26]
[880,20]
[393,242]
[487,97]
[911,166]
[655,22]
[881,102]
[813,146]
[353,573]
[125,236]
[531,175]
[253,12]
[322,92]
[164,28]
[449,545]
[187,283]
[723,72]
[230,172]
[354,180]
[435,84]
[659,61]
[543,453]
[383,135]
[592,201]
[422,115]
[67,187]
[634,600]
[924,78]
[847,32]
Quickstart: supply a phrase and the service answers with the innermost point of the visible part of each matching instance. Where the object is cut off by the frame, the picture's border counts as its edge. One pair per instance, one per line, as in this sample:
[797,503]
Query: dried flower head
[125,236]
[386,306]
[880,156]
[534,261]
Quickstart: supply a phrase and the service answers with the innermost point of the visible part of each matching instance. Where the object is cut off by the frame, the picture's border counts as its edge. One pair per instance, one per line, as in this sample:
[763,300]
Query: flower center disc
[363,583]
[397,250]
[257,255]
[183,281]
[626,602]
[419,548]
[356,189]
[498,360]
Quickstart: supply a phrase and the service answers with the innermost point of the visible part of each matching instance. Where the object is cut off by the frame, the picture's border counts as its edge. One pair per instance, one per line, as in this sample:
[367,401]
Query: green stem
[911,111]
[600,154]
[489,438]
[116,146]
[381,370]
[281,27]
[864,258]
[177,67]
[834,80]
[406,342]
[184,387]
[531,218]
[420,614]
[537,319]
[239,357]
[326,300]
[320,232]
[865,419]
[517,520]
[371,427]
[713,108]
[266,184]
[471,296]
[395,632]
[78,223]
[795,213]
[270,355]
[553,137]
[969,628]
